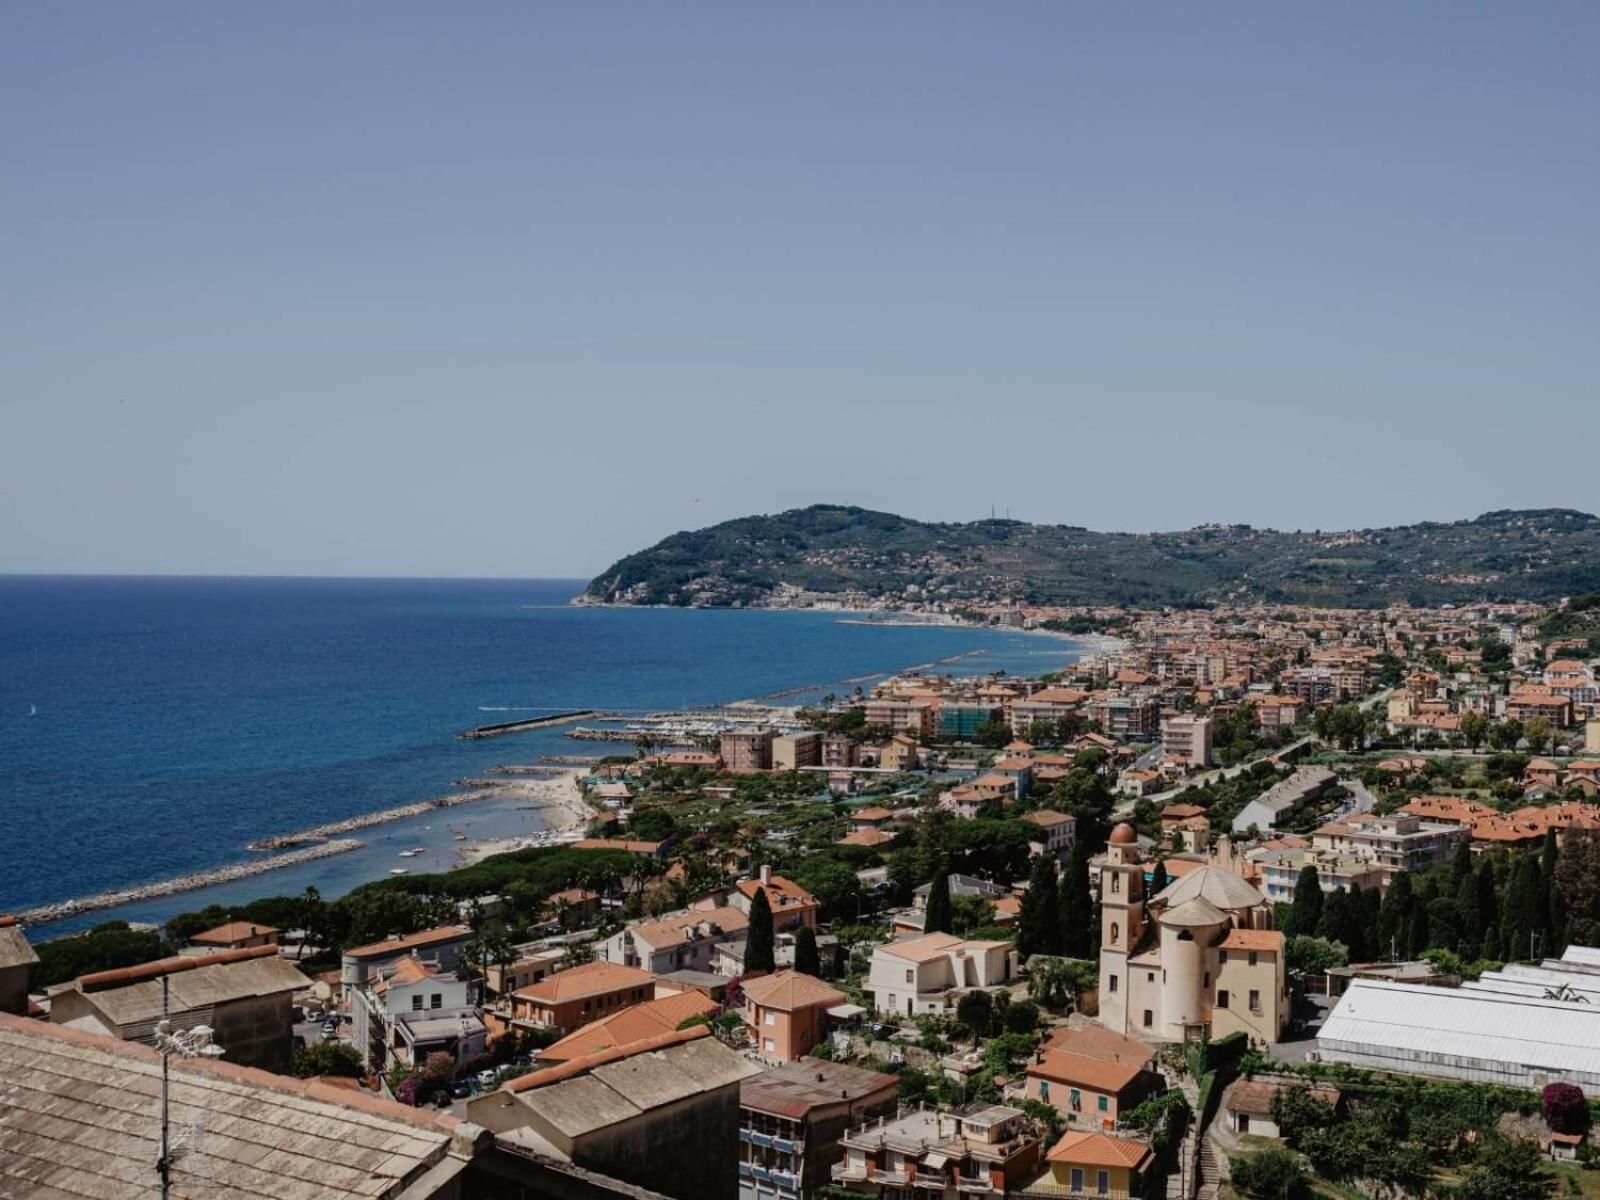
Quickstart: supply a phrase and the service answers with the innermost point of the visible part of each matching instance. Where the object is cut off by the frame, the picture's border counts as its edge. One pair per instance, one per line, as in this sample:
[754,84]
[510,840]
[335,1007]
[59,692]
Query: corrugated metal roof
[1464,1023]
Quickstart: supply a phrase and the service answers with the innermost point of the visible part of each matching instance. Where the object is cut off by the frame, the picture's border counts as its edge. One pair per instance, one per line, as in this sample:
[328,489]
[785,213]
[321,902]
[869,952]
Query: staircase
[1182,1181]
[1210,1173]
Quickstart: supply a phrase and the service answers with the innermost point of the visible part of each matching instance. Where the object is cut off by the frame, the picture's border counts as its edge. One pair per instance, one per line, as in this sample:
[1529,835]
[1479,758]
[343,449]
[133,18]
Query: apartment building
[1057,833]
[940,1154]
[574,997]
[918,718]
[795,750]
[1125,717]
[1400,841]
[407,1011]
[838,751]
[1186,740]
[791,1121]
[684,941]
[747,749]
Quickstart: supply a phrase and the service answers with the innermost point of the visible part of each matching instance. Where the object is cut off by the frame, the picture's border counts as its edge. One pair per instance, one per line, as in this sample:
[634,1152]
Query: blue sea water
[151,727]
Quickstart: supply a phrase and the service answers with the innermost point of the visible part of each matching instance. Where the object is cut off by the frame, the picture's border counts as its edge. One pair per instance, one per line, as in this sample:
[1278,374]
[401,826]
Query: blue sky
[514,289]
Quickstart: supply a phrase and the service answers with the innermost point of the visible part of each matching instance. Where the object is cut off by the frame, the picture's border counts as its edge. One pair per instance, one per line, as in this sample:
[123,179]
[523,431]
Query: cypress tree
[1371,912]
[1394,938]
[1077,907]
[1469,919]
[806,959]
[1307,910]
[1159,877]
[936,917]
[758,947]
[1519,916]
[1356,930]
[1331,924]
[1417,929]
[1039,922]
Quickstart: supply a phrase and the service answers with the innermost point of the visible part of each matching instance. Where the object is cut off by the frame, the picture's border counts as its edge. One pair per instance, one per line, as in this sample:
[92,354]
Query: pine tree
[806,959]
[936,918]
[1039,922]
[758,947]
[1307,910]
[1077,907]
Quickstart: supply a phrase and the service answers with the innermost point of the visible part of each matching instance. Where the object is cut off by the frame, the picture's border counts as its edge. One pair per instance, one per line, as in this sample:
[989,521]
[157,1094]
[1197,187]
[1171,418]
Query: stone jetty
[62,909]
[366,820]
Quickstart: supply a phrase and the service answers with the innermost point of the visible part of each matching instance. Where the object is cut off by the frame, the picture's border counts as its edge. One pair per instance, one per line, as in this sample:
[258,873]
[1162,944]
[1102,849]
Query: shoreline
[559,791]
[555,789]
[60,910]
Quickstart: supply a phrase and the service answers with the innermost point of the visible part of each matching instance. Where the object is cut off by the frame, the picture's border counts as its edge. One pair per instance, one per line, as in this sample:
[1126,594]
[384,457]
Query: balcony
[1046,1188]
[844,1172]
[898,1178]
[978,1184]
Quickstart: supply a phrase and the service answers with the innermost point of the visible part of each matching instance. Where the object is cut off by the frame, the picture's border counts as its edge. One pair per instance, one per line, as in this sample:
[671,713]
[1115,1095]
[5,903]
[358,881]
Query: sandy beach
[566,811]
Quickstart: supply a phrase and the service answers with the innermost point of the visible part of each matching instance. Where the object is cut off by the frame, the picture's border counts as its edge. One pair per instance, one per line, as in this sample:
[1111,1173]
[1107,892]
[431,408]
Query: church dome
[1194,913]
[1123,835]
[1220,888]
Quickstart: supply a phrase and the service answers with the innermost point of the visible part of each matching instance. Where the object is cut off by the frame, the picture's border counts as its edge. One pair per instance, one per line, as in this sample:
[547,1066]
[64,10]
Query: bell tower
[1121,922]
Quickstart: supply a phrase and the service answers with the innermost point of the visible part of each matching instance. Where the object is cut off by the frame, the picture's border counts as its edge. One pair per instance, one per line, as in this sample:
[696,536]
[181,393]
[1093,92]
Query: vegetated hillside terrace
[1534,554]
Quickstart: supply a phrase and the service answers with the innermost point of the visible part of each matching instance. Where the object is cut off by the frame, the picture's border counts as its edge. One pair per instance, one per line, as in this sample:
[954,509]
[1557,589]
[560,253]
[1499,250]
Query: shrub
[1269,1175]
[327,1058]
[1564,1108]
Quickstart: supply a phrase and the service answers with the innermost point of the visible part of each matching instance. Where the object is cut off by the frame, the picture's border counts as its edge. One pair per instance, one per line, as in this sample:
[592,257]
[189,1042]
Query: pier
[504,727]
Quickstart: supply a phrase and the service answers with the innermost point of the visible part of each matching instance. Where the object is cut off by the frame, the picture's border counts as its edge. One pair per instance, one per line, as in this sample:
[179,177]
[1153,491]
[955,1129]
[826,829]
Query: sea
[151,727]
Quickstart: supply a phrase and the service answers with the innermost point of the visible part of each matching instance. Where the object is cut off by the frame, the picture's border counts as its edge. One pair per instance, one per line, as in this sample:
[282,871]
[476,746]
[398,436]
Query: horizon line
[6,574]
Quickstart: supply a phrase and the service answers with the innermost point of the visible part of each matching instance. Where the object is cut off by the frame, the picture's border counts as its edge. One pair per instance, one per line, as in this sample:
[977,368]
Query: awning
[846,1012]
[933,1161]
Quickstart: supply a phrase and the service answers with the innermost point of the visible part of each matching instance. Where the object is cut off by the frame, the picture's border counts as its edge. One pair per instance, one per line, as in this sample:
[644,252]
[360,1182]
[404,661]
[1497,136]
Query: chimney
[766,875]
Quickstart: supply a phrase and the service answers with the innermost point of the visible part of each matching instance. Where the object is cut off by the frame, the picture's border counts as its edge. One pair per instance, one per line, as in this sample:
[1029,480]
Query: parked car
[486,1080]
[460,1090]
[330,1032]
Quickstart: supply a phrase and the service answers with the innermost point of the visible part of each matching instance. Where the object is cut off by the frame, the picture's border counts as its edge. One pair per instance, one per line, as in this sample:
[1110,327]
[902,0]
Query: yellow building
[1096,1164]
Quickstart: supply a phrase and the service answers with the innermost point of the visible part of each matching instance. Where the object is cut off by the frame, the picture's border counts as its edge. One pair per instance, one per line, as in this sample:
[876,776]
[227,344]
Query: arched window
[1116,883]
[1116,932]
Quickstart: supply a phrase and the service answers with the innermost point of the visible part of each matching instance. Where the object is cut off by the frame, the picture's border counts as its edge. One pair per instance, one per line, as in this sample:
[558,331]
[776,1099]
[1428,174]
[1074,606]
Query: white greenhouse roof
[1462,1023]
[1588,956]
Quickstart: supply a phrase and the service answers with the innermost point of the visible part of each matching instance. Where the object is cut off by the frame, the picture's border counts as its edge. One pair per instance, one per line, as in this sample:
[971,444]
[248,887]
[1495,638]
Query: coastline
[60,910]
[558,791]
[561,814]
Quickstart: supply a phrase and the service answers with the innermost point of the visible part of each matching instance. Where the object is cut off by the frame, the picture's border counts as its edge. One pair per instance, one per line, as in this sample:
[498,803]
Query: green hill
[1536,554]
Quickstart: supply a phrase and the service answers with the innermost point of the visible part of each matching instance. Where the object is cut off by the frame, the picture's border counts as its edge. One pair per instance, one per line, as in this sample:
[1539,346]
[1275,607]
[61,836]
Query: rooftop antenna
[189,1043]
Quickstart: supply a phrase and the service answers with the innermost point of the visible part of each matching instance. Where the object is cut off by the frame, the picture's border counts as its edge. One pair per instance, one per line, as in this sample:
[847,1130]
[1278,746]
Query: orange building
[621,1029]
[572,998]
[236,935]
[787,1013]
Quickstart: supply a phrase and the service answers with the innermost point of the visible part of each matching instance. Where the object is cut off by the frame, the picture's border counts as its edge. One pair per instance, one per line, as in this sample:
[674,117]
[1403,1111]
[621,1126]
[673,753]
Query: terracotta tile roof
[675,930]
[631,1025]
[1177,812]
[581,982]
[1095,1041]
[123,976]
[875,813]
[788,991]
[781,893]
[867,837]
[1097,1074]
[1253,939]
[1049,818]
[922,949]
[411,941]
[1080,1148]
[233,931]
[616,844]
[579,1066]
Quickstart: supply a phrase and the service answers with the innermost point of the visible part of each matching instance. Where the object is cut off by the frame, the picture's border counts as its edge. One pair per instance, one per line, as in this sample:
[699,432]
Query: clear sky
[512,290]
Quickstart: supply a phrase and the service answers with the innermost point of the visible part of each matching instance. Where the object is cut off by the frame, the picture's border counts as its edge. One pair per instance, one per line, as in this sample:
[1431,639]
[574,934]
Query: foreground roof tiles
[79,1118]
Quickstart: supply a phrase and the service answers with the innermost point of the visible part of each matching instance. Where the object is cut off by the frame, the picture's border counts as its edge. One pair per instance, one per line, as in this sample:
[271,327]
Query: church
[1199,957]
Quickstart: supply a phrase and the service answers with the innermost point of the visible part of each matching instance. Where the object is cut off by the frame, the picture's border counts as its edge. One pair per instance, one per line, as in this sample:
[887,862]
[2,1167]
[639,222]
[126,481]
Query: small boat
[398,871]
[460,837]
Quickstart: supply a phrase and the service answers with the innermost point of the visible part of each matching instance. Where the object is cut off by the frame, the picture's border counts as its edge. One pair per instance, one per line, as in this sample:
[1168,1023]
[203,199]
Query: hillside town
[1242,903]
